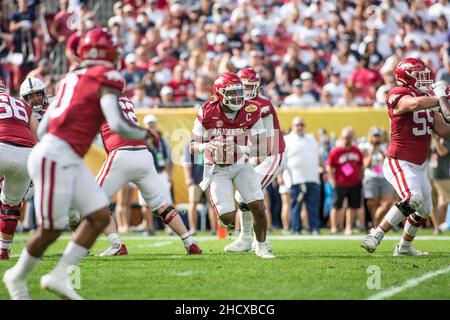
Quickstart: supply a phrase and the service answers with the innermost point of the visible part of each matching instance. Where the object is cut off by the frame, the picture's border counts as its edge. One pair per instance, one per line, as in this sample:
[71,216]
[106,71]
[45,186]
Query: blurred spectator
[302,165]
[132,74]
[140,98]
[179,84]
[166,95]
[345,171]
[440,177]
[380,95]
[296,97]
[377,191]
[74,40]
[444,72]
[365,80]
[64,22]
[335,88]
[43,72]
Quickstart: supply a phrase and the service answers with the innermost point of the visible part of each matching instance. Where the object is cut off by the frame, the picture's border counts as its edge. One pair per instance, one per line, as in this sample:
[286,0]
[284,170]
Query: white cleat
[17,287]
[262,252]
[114,251]
[241,244]
[267,243]
[61,286]
[372,240]
[409,251]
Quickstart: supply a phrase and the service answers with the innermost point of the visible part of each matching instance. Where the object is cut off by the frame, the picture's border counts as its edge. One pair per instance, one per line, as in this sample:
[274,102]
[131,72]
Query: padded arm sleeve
[117,122]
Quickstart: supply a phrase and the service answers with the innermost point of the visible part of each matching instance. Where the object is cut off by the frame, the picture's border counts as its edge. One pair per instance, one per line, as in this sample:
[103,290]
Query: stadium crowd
[309,53]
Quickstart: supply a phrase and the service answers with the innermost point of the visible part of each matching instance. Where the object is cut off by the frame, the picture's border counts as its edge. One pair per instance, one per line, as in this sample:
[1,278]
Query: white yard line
[211,238]
[408,284]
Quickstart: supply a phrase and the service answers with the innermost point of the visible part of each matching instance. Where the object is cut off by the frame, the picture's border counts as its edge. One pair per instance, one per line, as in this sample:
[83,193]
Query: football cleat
[372,240]
[408,251]
[267,243]
[4,254]
[193,249]
[59,286]
[241,244]
[111,251]
[17,287]
[262,252]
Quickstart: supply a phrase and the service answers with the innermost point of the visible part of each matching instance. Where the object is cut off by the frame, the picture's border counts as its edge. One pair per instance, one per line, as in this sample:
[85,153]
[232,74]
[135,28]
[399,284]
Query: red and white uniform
[129,161]
[16,141]
[404,166]
[273,164]
[61,179]
[212,122]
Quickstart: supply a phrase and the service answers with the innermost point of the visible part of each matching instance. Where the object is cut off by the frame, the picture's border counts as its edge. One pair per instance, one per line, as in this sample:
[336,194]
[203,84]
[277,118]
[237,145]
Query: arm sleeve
[258,128]
[116,121]
[268,125]
[199,130]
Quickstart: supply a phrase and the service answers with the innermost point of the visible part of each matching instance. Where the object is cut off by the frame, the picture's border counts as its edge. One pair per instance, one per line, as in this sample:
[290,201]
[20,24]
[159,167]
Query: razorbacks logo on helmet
[229,89]
[414,74]
[251,81]
[98,45]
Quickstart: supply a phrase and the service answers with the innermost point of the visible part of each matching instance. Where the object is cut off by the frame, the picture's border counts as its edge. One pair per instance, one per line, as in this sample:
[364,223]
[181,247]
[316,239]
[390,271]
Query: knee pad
[416,220]
[243,206]
[416,201]
[167,215]
[10,212]
[405,208]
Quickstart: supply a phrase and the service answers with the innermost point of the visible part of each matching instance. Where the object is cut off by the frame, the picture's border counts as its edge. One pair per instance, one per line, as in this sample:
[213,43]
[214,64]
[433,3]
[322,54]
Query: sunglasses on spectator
[299,124]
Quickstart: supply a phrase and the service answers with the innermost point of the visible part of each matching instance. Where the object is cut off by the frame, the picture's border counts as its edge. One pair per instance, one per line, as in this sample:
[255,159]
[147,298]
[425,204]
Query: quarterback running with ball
[267,168]
[230,130]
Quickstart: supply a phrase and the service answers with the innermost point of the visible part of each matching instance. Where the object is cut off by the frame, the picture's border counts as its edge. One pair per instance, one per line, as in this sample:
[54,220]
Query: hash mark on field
[408,284]
[183,274]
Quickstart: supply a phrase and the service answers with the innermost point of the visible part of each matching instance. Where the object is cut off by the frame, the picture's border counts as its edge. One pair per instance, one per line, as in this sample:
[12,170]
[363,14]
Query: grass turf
[303,269]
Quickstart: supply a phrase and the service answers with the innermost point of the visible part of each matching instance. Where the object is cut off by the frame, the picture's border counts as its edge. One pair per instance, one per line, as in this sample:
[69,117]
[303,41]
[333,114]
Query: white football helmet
[32,85]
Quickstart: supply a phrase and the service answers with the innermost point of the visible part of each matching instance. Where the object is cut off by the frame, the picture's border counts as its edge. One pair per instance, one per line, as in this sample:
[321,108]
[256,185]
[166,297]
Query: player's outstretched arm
[410,103]
[440,126]
[109,102]
[440,91]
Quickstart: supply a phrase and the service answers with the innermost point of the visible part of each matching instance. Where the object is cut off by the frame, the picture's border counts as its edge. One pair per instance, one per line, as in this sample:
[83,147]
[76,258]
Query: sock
[404,243]
[114,240]
[71,257]
[5,244]
[394,216]
[246,219]
[25,264]
[187,239]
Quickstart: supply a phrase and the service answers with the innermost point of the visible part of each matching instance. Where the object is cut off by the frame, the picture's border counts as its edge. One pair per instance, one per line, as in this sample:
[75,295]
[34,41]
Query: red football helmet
[251,81]
[229,89]
[97,45]
[2,86]
[415,74]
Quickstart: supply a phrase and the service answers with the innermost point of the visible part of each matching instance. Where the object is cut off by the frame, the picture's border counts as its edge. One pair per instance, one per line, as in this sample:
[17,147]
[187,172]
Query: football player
[228,130]
[267,169]
[34,92]
[131,161]
[85,97]
[17,137]
[413,118]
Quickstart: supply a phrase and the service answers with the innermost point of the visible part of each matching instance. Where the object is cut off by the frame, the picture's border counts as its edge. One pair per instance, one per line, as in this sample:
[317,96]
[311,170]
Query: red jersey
[112,140]
[78,116]
[212,123]
[267,109]
[347,165]
[180,89]
[15,117]
[410,131]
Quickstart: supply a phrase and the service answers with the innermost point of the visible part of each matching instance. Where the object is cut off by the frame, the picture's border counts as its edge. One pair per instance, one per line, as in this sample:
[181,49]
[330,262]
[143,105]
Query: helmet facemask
[251,89]
[233,96]
[37,106]
[423,80]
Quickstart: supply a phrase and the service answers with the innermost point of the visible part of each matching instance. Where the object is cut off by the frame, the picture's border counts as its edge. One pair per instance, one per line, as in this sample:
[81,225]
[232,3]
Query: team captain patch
[251,108]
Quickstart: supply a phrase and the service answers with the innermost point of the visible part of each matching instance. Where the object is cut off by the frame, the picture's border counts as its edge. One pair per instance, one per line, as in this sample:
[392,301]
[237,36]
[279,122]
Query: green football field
[306,267]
